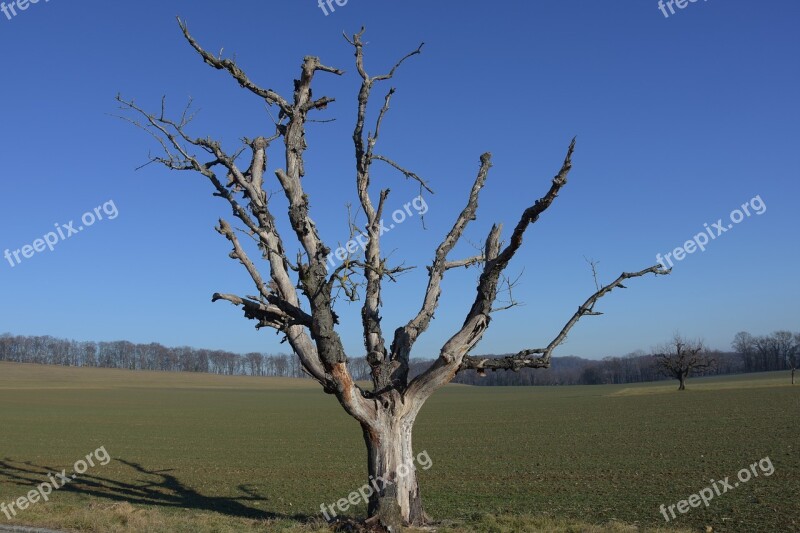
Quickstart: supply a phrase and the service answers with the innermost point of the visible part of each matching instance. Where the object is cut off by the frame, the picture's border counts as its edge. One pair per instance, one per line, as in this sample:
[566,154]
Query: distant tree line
[777,351]
[634,367]
[153,356]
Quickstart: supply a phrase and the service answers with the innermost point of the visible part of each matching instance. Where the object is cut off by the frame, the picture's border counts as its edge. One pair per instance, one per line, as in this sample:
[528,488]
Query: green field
[194,452]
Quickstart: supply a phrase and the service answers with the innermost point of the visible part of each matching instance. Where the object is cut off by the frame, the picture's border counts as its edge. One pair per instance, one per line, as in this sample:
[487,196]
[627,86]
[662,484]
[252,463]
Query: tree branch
[477,321]
[324,358]
[406,336]
[383,371]
[238,74]
[525,359]
[407,173]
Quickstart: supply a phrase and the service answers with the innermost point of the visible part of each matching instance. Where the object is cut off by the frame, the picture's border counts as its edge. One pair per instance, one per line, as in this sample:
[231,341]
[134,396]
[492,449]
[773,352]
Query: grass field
[194,452]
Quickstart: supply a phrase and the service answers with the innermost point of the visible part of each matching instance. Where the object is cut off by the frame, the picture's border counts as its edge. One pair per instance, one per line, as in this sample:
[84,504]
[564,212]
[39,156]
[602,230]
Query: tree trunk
[682,379]
[793,369]
[395,499]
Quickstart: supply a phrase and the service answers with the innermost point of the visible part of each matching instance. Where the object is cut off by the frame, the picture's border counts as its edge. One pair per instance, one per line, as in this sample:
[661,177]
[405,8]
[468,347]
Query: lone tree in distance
[680,357]
[387,411]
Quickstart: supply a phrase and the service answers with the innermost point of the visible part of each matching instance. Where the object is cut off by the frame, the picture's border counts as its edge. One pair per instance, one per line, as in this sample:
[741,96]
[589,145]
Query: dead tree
[680,357]
[387,411]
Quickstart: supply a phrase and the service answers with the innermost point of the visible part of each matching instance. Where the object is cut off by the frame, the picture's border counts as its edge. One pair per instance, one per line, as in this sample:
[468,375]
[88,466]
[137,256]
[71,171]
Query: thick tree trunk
[395,500]
[682,379]
[793,376]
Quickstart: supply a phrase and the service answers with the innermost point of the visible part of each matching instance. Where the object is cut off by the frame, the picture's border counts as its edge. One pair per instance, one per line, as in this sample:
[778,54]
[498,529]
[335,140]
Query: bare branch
[588,306]
[407,173]
[374,270]
[265,315]
[509,284]
[478,318]
[405,337]
[169,133]
[358,44]
[531,215]
[469,261]
[286,315]
[397,65]
[524,358]
[238,74]
[238,253]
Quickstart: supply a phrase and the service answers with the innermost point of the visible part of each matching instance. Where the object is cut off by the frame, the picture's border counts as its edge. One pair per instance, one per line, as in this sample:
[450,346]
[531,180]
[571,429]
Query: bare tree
[785,347]
[387,410]
[680,357]
[745,344]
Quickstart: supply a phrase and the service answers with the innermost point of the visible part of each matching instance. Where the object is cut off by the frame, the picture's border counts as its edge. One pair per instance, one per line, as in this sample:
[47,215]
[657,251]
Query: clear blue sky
[679,121]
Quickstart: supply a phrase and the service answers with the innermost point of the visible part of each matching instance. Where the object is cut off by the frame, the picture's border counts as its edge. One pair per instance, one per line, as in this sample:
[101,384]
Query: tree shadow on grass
[157,488]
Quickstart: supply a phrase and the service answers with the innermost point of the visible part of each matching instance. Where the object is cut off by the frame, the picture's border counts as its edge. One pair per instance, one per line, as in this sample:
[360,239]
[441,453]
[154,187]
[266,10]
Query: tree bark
[793,376]
[682,379]
[395,499]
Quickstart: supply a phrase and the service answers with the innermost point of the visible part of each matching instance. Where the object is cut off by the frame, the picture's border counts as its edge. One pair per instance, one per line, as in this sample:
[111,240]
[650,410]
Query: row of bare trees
[779,350]
[152,356]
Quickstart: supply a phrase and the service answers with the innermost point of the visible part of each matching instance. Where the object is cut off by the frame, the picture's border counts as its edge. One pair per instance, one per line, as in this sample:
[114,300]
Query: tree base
[372,525]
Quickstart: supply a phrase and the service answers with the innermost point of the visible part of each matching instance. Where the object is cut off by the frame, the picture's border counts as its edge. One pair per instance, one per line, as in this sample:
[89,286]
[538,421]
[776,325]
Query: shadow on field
[155,487]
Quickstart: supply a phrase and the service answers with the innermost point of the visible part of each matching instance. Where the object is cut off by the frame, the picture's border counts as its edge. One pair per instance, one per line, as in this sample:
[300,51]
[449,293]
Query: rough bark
[297,298]
[396,500]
